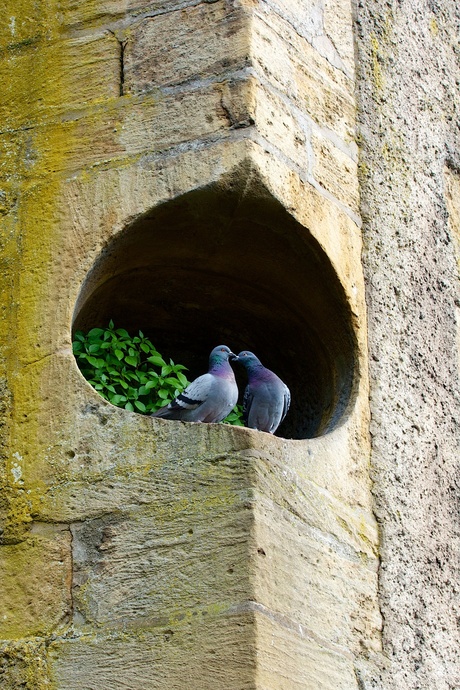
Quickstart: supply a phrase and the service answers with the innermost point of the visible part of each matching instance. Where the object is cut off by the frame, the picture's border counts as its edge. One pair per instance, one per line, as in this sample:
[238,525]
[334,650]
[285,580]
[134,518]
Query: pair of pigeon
[212,396]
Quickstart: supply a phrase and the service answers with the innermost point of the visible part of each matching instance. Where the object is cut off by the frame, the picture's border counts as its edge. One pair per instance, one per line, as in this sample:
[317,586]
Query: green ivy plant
[129,371]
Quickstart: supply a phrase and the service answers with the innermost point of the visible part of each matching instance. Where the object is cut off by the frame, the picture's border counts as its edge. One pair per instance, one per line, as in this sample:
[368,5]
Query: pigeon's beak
[232,357]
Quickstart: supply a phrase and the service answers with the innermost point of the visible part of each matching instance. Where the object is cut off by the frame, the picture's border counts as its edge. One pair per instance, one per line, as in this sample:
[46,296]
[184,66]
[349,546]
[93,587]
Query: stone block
[335,228]
[294,658]
[179,557]
[282,126]
[150,124]
[35,583]
[99,13]
[296,70]
[202,652]
[338,26]
[336,171]
[203,41]
[82,72]
[312,574]
[309,21]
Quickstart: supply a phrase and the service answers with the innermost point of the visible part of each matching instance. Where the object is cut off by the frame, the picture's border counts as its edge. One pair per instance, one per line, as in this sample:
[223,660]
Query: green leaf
[140,406]
[117,399]
[182,378]
[235,417]
[119,354]
[156,359]
[122,332]
[95,333]
[131,375]
[144,347]
[110,323]
[172,381]
[131,360]
[129,407]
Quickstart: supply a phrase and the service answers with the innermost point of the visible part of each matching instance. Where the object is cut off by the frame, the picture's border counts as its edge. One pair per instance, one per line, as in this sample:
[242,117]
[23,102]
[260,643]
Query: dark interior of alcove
[227,264]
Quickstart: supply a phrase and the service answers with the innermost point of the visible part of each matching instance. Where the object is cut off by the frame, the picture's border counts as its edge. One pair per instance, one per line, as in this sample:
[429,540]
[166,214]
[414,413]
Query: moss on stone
[25,665]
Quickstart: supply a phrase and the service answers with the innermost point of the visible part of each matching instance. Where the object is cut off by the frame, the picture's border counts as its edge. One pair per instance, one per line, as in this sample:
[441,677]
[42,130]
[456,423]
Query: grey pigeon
[210,397]
[266,398]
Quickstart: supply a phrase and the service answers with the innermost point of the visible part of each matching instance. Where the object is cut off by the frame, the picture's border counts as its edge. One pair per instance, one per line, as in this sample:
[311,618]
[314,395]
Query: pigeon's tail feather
[167,413]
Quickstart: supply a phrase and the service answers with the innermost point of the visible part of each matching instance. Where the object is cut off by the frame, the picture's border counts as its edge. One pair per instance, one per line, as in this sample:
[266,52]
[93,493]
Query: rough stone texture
[409,113]
[210,652]
[35,583]
[173,555]
[167,555]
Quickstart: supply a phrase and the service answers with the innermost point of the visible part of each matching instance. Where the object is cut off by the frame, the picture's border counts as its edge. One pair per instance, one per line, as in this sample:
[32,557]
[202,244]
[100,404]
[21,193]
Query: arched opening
[228,264]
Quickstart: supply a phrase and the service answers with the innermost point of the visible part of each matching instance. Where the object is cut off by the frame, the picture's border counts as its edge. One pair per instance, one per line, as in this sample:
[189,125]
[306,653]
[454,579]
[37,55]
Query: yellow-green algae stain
[434,28]
[32,76]
[379,51]
[41,139]
[24,665]
[34,584]
[33,144]
[376,67]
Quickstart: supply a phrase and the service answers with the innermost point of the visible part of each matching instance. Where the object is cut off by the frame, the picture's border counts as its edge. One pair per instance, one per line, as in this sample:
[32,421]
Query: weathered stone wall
[146,554]
[408,98]
[142,553]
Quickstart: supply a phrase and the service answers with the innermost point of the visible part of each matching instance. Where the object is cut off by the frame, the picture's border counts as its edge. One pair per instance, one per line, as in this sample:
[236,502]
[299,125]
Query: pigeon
[266,398]
[210,397]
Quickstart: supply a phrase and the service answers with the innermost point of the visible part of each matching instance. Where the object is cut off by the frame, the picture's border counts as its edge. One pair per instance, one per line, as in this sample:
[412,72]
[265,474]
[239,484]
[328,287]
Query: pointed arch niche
[228,264]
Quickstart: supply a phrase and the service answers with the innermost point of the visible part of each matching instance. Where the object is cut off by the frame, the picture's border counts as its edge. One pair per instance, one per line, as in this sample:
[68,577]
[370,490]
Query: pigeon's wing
[265,405]
[247,402]
[190,399]
[195,394]
[287,402]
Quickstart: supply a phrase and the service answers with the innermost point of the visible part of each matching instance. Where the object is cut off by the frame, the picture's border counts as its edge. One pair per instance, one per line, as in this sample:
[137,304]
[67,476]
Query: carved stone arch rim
[228,262]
